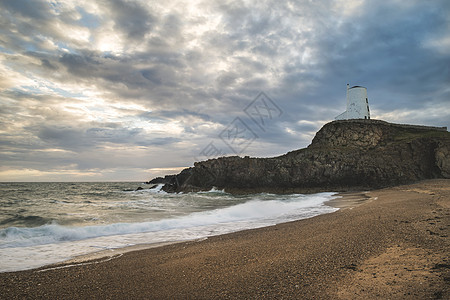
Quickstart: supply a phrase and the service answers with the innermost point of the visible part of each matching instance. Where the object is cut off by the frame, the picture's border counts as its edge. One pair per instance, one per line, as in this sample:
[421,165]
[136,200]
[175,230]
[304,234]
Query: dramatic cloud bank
[128,90]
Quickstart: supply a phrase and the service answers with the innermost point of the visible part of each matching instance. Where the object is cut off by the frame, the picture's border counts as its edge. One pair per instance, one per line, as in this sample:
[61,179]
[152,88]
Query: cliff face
[344,155]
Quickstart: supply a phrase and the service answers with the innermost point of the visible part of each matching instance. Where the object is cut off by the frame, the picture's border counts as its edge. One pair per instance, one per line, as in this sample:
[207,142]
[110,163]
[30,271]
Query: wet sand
[390,243]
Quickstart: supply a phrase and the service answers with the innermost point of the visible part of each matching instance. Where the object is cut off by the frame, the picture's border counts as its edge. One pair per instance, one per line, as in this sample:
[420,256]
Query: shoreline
[349,200]
[343,200]
[401,230]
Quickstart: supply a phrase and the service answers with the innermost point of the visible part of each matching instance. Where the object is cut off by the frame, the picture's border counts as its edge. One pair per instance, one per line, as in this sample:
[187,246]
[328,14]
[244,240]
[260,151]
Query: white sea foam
[214,190]
[16,244]
[156,189]
[252,210]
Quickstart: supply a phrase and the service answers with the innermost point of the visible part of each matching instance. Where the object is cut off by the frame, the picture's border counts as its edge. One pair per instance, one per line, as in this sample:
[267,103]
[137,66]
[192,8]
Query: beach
[389,243]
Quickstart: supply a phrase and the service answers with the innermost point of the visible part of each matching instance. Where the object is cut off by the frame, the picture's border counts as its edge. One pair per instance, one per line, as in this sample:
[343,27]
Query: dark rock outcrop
[159,180]
[344,155]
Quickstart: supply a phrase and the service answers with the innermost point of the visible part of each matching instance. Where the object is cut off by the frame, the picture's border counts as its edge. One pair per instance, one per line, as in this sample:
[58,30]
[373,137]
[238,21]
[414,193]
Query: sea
[48,223]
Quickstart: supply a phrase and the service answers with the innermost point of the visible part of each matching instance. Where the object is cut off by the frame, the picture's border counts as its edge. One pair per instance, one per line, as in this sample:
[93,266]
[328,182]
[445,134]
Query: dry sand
[392,244]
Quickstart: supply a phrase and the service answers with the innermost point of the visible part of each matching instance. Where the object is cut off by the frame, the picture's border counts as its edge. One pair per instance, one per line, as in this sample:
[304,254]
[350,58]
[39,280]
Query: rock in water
[344,155]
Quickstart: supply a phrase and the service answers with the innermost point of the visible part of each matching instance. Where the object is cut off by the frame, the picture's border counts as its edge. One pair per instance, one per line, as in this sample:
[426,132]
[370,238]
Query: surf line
[81,264]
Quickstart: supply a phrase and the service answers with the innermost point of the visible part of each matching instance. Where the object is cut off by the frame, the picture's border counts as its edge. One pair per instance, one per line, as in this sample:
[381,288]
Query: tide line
[82,264]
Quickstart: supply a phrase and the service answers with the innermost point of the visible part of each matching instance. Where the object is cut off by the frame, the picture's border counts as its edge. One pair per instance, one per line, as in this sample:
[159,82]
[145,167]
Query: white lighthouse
[357,104]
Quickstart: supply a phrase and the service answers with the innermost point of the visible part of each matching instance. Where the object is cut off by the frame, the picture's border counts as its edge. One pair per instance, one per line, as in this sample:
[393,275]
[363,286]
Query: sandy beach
[384,244]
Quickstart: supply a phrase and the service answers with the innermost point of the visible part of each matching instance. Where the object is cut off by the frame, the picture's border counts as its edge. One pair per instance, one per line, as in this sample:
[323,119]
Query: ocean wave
[156,189]
[214,190]
[30,220]
[270,211]
[153,190]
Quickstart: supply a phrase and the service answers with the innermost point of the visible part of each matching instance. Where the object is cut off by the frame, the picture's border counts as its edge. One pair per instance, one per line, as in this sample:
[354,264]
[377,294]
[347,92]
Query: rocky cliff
[344,155]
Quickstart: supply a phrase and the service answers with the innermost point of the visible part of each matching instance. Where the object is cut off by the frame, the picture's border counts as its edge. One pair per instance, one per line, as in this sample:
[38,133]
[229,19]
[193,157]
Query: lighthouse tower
[357,104]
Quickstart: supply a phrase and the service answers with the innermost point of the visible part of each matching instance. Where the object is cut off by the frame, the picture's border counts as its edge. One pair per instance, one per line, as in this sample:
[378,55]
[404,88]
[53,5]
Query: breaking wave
[267,210]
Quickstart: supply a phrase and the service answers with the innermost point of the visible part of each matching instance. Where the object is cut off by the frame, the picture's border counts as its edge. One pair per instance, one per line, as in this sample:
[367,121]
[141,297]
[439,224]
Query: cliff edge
[344,155]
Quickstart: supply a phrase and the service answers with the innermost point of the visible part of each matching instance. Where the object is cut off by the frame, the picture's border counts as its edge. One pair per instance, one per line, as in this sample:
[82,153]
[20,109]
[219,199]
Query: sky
[129,90]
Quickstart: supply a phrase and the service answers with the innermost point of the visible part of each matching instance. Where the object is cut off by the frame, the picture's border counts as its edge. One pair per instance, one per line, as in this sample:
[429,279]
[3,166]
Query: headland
[345,155]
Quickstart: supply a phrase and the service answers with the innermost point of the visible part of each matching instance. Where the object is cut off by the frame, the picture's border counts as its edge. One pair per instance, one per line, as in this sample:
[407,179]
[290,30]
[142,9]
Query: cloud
[114,86]
[131,18]
[35,10]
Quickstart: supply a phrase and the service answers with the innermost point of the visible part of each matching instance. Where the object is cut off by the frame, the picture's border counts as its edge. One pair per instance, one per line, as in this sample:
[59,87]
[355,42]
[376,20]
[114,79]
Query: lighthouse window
[367,101]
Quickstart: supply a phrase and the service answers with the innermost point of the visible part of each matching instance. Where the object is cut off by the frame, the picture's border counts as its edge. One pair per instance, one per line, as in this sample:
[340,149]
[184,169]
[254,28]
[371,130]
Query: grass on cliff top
[399,136]
[409,135]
